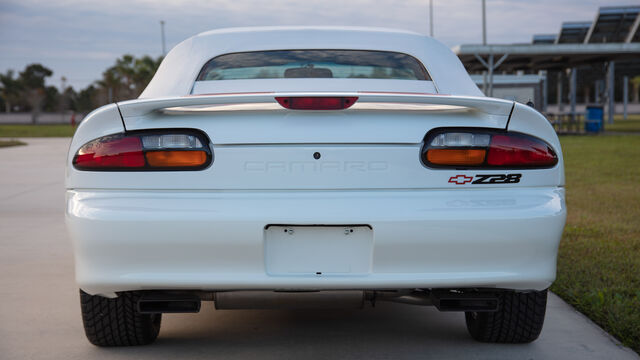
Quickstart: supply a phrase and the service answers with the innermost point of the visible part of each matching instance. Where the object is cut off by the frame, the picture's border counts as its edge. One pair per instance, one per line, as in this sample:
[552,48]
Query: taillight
[486,149]
[149,150]
[316,102]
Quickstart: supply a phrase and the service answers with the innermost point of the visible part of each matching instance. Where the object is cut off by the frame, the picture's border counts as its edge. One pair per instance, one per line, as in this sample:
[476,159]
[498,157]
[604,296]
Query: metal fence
[43,118]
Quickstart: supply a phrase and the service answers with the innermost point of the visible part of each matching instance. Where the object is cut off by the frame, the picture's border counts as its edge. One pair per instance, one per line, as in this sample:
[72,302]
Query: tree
[11,89]
[110,84]
[85,100]
[51,101]
[144,69]
[128,77]
[32,79]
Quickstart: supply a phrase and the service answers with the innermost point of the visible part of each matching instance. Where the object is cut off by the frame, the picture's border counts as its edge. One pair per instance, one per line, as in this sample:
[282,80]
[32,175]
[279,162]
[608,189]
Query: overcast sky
[80,39]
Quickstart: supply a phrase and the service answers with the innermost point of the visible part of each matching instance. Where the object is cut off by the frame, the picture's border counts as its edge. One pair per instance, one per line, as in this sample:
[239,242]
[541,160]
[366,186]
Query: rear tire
[519,318]
[117,322]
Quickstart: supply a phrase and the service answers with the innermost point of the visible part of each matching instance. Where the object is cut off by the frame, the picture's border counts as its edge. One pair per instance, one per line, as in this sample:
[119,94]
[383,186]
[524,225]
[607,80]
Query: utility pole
[164,49]
[484,42]
[431,18]
[484,22]
[63,86]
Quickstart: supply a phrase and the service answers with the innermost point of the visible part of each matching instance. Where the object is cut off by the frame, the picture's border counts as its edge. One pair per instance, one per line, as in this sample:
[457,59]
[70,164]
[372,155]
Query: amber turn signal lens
[456,156]
[176,158]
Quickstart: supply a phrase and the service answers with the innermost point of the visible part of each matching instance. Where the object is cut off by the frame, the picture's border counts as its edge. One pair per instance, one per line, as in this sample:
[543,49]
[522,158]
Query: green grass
[599,258]
[16,131]
[632,124]
[7,143]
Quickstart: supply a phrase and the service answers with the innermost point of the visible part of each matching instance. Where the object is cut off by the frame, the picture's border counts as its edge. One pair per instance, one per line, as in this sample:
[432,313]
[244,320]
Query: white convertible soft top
[177,74]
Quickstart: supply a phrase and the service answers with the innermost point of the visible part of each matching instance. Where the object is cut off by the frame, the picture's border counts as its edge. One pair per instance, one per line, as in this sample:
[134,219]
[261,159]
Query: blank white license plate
[318,250]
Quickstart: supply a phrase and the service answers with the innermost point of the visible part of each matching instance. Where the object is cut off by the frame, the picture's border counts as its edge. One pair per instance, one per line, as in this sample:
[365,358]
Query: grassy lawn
[7,143]
[632,124]
[599,259]
[16,131]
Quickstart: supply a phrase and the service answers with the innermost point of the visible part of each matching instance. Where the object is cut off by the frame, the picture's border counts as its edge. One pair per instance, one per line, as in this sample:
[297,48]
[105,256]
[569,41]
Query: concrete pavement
[40,317]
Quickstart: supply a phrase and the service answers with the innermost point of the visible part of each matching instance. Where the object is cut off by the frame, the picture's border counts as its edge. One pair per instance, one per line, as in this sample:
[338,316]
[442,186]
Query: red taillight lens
[317,102]
[486,149]
[510,150]
[150,150]
[110,152]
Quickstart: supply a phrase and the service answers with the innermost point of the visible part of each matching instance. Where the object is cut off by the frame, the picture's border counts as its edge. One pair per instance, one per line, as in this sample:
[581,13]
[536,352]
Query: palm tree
[144,69]
[128,77]
[111,84]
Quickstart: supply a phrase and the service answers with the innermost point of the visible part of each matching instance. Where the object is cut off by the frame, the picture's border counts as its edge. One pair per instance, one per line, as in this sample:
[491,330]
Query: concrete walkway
[40,315]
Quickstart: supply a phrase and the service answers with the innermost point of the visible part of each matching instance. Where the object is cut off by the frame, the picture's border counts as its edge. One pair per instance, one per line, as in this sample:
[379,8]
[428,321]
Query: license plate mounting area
[318,250]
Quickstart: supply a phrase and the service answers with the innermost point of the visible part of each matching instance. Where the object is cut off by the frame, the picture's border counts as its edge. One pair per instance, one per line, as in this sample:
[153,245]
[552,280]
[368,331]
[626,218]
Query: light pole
[484,42]
[484,22]
[164,51]
[63,86]
[431,18]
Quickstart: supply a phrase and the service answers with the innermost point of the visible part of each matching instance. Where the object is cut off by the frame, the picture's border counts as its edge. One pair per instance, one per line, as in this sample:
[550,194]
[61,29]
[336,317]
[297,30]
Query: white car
[305,167]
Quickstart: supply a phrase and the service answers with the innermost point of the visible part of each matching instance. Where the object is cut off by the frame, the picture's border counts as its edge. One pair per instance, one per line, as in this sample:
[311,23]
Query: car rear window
[341,64]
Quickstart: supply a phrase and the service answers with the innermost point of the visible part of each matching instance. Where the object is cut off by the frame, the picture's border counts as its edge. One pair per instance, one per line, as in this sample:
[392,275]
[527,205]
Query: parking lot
[40,317]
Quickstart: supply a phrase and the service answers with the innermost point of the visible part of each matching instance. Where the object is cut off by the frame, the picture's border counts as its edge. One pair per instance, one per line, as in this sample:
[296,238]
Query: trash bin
[594,118]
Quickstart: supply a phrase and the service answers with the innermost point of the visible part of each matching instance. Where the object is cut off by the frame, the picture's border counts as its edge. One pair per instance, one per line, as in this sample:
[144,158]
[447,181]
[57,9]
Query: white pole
[484,22]
[545,90]
[625,95]
[559,93]
[164,51]
[573,83]
[63,84]
[484,42]
[431,18]
[491,66]
[610,90]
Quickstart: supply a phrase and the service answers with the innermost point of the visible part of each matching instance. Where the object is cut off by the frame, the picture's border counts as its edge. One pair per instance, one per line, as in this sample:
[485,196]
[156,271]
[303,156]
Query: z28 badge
[486,179]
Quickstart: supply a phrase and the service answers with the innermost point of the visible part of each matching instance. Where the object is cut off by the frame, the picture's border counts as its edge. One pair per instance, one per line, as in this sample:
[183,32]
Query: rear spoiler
[141,107]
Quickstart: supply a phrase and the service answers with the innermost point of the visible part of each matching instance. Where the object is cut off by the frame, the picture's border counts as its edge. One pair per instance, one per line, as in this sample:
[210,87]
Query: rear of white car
[313,190]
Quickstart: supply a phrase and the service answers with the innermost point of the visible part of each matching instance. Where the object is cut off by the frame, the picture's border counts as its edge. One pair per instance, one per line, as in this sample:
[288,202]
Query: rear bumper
[215,240]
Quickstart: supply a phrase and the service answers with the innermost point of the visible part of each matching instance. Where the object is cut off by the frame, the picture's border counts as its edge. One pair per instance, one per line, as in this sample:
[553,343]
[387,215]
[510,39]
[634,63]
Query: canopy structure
[613,36]
[614,24]
[544,56]
[544,39]
[573,32]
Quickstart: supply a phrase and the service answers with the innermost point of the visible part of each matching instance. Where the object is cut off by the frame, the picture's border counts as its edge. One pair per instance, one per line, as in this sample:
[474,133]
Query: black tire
[519,318]
[117,322]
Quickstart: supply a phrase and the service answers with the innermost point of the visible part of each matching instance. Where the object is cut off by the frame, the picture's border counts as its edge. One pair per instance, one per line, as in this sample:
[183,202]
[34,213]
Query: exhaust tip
[465,301]
[167,305]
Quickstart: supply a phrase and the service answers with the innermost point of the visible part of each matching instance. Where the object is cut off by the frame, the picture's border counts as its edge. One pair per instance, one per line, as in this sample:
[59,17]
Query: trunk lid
[258,145]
